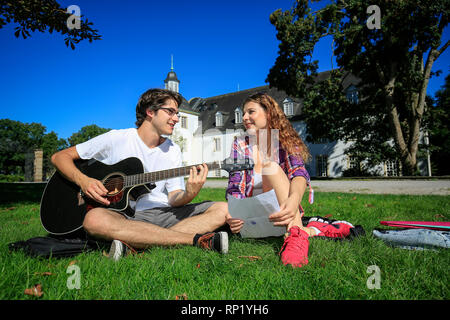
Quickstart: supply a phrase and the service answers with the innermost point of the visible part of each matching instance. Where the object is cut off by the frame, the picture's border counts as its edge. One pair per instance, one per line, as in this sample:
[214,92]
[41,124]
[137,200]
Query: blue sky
[217,47]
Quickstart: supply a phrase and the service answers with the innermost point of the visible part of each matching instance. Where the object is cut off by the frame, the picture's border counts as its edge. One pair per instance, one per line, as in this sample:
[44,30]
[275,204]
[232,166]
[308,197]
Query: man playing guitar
[164,216]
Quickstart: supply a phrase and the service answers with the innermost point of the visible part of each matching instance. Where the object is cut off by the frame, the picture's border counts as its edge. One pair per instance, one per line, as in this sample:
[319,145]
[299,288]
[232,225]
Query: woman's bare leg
[278,181]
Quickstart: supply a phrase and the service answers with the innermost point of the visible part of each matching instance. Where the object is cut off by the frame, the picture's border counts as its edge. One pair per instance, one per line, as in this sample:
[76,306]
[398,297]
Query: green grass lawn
[336,270]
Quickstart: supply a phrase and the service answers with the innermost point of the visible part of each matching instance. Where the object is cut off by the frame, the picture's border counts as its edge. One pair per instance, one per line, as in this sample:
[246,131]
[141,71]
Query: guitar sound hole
[114,184]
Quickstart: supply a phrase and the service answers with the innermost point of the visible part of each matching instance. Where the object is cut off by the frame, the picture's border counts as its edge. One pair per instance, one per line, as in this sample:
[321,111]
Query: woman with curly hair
[280,167]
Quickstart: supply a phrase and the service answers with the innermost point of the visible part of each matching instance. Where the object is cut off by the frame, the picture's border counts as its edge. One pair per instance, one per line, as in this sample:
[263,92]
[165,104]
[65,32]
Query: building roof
[186,107]
[226,104]
[171,76]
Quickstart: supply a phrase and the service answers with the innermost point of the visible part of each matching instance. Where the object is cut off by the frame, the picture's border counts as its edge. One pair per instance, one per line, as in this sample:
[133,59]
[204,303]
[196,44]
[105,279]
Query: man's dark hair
[153,99]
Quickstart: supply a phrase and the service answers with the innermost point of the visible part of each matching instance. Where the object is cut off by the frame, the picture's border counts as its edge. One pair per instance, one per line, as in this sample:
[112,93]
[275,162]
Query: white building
[207,127]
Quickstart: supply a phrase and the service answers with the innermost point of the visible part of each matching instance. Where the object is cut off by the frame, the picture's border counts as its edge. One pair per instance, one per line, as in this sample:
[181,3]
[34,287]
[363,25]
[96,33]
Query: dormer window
[288,107]
[352,94]
[219,119]
[238,115]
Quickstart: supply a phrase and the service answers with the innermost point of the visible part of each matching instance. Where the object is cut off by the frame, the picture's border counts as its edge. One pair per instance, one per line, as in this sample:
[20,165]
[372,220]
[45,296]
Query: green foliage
[50,145]
[16,140]
[11,178]
[392,65]
[439,126]
[19,140]
[86,133]
[43,16]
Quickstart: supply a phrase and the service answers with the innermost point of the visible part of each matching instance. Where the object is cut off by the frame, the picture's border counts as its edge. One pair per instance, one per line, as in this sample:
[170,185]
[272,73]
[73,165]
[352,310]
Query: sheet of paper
[255,212]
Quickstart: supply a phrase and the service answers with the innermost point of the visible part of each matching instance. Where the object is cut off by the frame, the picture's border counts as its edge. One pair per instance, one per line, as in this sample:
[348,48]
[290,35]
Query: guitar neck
[148,177]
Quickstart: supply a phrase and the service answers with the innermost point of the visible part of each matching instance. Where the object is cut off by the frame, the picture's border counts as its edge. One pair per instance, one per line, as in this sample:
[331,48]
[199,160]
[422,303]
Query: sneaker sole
[223,242]
[319,219]
[343,222]
[116,250]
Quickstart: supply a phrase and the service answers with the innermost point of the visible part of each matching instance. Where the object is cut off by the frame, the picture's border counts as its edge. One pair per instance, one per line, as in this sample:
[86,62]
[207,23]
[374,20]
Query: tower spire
[172,83]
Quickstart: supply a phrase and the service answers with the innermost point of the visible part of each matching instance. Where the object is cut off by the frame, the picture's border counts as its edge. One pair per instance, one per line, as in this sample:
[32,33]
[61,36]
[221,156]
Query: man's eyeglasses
[171,112]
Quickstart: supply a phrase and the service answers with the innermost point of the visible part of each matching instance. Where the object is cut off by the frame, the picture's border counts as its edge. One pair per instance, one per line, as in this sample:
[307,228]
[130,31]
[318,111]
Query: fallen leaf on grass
[8,209]
[437,216]
[369,205]
[72,262]
[181,296]
[251,258]
[34,291]
[328,216]
[46,273]
[198,265]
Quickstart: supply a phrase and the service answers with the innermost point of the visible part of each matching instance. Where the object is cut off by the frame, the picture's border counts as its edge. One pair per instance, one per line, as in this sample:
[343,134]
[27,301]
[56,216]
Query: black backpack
[51,246]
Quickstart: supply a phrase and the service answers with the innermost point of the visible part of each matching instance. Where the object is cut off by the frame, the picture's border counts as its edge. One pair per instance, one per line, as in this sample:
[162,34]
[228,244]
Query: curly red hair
[288,137]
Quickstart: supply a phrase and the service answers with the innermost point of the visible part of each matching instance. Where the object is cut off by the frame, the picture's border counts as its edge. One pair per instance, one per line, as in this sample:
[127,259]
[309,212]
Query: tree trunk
[407,158]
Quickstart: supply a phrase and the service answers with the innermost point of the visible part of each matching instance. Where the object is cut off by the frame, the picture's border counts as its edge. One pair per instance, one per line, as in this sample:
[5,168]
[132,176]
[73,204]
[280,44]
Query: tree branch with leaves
[393,64]
[43,16]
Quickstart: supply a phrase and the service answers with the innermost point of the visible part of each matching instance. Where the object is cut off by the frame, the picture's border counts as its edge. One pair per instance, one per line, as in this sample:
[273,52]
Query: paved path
[413,187]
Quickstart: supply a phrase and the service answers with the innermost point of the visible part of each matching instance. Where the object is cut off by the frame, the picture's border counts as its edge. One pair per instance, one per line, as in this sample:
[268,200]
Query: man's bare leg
[213,218]
[110,225]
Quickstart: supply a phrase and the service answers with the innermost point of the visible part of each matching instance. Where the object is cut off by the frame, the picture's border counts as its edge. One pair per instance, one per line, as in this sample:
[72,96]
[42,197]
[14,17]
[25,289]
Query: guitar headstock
[231,165]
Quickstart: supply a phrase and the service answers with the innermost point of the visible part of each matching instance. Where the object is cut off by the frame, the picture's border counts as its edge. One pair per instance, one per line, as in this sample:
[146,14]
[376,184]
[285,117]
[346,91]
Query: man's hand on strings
[196,180]
[95,190]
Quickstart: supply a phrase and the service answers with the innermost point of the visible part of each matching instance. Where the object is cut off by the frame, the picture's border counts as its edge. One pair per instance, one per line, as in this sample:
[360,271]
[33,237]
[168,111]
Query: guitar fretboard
[148,177]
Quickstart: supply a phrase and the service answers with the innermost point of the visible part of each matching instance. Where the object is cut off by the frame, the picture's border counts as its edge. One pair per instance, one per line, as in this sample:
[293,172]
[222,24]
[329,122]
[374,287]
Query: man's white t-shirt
[116,145]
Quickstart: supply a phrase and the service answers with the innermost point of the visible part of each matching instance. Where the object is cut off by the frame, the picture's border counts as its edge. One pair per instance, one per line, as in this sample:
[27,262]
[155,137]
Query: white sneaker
[217,241]
[117,250]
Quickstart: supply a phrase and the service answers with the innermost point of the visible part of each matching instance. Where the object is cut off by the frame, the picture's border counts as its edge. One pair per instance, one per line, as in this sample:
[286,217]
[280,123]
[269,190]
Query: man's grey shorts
[167,217]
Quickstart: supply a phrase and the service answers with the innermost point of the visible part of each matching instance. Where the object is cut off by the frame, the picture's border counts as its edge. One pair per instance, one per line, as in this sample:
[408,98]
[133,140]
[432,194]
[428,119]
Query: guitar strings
[121,181]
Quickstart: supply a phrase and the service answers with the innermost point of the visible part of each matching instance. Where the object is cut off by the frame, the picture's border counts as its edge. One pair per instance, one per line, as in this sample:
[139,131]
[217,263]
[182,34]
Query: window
[392,168]
[219,119]
[238,115]
[184,122]
[352,94]
[217,144]
[353,163]
[217,172]
[288,107]
[322,166]
[321,141]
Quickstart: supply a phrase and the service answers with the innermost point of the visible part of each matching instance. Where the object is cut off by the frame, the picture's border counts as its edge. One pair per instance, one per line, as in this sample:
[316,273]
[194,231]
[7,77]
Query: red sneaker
[295,248]
[336,229]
